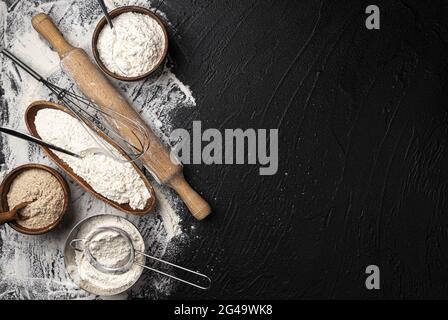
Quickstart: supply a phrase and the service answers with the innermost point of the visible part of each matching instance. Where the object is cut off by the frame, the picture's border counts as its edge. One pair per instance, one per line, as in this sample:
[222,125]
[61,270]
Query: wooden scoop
[13,214]
[30,116]
[94,85]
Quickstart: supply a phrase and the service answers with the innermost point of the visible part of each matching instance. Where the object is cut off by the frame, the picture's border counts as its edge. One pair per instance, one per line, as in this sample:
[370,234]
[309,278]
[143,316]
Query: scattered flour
[170,219]
[29,270]
[117,181]
[116,3]
[134,46]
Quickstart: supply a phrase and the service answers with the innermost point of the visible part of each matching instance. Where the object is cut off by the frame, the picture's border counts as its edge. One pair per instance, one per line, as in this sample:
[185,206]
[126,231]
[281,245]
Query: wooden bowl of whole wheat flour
[86,276]
[137,46]
[150,200]
[8,184]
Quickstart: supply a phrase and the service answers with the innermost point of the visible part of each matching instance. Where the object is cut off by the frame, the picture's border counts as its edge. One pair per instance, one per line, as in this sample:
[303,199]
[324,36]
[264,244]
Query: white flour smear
[33,267]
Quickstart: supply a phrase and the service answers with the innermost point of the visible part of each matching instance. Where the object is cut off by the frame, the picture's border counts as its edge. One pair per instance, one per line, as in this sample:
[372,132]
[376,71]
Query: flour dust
[33,267]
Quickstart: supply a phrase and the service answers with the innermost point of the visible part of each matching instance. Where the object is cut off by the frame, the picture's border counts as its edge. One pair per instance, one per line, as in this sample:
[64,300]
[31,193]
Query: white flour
[170,219]
[133,46]
[29,270]
[111,250]
[117,181]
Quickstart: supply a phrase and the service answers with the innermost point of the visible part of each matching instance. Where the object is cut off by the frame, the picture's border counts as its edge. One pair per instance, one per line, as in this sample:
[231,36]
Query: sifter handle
[202,282]
[43,24]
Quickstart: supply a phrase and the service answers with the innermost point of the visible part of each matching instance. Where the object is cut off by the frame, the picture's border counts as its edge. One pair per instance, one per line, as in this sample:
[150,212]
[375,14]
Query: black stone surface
[363,169]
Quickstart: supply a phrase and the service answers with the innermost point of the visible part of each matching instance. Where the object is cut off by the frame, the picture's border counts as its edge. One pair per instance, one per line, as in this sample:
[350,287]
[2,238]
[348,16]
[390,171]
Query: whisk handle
[43,24]
[198,207]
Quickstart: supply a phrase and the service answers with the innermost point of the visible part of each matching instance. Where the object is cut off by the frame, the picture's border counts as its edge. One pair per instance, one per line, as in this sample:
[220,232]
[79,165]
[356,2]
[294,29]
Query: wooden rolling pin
[94,85]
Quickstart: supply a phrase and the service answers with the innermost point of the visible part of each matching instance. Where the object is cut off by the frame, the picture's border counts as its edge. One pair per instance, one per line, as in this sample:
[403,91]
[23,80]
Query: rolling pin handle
[43,24]
[198,207]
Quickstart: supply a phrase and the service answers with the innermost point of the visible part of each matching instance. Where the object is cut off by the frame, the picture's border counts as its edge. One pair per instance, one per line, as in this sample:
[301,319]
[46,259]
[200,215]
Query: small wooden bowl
[6,184]
[103,22]
[30,116]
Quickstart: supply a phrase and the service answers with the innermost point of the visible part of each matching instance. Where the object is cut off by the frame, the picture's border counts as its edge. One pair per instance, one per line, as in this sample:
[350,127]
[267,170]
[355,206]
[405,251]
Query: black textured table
[363,168]
[362,119]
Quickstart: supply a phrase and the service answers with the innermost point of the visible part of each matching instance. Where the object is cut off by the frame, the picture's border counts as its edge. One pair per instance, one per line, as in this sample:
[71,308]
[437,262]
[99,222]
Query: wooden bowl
[6,184]
[30,116]
[103,22]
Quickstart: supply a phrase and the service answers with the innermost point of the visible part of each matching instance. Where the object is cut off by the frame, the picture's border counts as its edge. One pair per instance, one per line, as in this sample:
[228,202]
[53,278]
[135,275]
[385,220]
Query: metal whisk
[92,117]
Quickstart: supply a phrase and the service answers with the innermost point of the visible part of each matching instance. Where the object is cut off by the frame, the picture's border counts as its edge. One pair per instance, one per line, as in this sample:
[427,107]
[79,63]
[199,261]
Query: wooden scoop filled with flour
[119,183]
